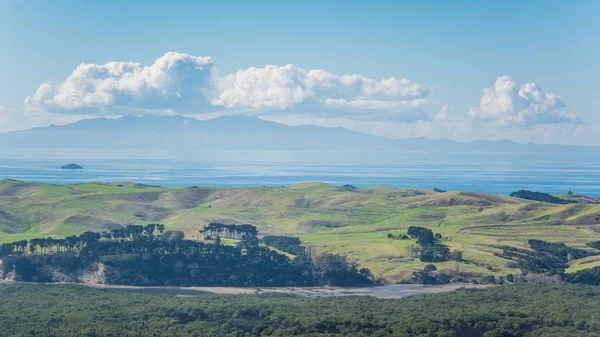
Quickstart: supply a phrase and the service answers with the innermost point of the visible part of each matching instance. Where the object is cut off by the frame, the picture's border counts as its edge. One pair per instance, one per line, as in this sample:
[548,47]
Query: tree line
[149,255]
[217,229]
[539,196]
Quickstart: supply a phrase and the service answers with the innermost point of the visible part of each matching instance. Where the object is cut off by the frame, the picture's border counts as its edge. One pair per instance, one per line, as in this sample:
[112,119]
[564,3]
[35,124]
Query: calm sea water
[483,172]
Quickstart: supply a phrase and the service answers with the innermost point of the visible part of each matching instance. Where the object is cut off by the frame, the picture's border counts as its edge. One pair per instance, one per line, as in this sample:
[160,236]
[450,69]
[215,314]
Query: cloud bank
[178,83]
[512,104]
[184,84]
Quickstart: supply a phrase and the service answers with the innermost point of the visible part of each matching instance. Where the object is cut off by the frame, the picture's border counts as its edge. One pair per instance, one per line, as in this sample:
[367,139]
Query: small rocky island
[72,167]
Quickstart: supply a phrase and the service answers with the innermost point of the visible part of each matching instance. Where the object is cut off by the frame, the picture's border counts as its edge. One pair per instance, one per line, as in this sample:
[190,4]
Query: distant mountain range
[240,133]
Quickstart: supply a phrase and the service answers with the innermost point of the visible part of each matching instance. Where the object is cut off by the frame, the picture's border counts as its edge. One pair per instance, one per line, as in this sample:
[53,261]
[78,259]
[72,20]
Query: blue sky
[448,51]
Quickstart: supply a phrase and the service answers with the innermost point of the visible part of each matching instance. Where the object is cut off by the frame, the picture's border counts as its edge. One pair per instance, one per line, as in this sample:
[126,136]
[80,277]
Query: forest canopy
[149,256]
[510,311]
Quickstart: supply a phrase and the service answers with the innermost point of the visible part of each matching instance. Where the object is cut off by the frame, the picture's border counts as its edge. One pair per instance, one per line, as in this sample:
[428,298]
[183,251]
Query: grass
[352,222]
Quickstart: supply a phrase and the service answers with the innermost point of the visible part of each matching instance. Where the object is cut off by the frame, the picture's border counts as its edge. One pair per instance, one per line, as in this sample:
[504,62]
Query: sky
[462,70]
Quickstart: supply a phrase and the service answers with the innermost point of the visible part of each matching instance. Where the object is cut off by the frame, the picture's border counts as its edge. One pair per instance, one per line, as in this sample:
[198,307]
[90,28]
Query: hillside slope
[354,222]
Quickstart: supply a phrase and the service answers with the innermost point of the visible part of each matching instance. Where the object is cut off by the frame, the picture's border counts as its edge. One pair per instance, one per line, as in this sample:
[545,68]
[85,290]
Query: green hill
[354,222]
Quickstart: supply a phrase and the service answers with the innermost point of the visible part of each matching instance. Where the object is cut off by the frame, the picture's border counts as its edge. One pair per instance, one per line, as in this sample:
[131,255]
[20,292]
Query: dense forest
[539,196]
[148,255]
[509,311]
[547,261]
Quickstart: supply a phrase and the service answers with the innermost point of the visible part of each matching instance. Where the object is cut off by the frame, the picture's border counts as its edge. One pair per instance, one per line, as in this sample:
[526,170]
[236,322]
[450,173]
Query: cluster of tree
[594,244]
[132,232]
[543,257]
[585,276]
[398,237]
[217,229]
[431,249]
[288,244]
[539,196]
[429,275]
[10,247]
[77,242]
[439,190]
[136,256]
[546,262]
[509,311]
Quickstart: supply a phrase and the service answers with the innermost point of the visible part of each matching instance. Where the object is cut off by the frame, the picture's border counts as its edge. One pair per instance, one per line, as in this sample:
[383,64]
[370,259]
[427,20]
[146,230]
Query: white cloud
[444,113]
[174,82]
[512,104]
[275,89]
[184,84]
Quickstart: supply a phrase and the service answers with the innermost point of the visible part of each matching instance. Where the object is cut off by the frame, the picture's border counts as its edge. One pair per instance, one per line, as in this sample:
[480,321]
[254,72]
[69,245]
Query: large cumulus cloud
[181,83]
[512,104]
[174,82]
[289,87]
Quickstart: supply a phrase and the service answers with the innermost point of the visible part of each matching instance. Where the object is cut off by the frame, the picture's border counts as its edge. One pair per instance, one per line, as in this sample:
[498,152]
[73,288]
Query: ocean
[499,173]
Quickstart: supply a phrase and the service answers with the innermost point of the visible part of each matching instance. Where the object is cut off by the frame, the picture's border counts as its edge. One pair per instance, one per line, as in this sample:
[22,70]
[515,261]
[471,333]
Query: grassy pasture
[354,222]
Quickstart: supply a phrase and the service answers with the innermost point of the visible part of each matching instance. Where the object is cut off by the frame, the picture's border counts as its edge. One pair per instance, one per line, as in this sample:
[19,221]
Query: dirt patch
[390,291]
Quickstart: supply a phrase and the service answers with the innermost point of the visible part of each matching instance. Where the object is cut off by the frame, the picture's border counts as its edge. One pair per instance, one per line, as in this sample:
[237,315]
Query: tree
[430,267]
[248,241]
[423,236]
[456,255]
[434,253]
[335,269]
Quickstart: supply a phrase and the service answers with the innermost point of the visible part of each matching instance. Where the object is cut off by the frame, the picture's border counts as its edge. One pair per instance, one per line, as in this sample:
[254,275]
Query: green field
[354,222]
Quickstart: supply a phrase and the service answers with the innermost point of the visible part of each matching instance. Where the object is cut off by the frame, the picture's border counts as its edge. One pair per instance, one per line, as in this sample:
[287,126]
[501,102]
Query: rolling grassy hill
[354,222]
